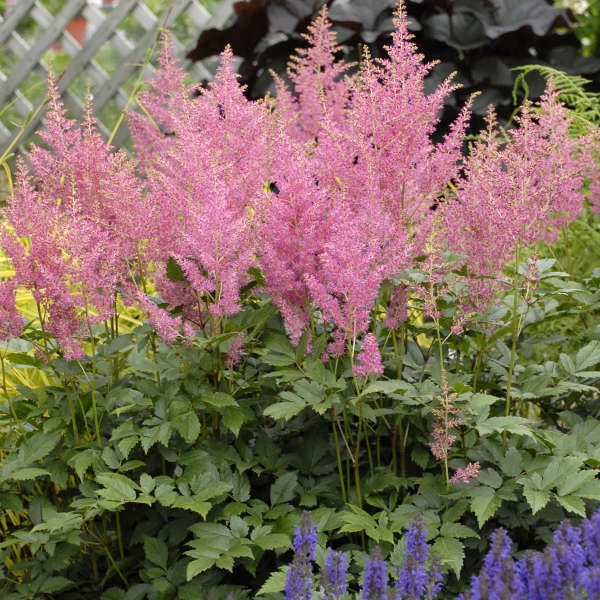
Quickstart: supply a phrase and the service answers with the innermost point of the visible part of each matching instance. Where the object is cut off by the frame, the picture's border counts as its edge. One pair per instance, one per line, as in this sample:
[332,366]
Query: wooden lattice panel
[104,33]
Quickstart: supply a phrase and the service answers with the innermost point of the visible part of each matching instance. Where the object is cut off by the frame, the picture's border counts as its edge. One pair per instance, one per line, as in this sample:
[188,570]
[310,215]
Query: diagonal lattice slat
[111,90]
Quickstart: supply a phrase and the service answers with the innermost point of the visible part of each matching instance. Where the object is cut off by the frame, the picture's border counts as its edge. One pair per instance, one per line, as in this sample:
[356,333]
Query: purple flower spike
[375,577]
[335,575]
[415,580]
[299,580]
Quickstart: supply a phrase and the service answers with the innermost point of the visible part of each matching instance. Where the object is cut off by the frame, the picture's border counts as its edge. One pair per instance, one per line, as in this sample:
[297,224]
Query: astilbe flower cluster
[201,174]
[362,175]
[326,189]
[516,189]
[64,230]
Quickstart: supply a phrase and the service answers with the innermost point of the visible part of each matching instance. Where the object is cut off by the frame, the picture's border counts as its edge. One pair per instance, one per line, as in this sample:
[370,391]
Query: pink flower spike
[465,475]
[369,358]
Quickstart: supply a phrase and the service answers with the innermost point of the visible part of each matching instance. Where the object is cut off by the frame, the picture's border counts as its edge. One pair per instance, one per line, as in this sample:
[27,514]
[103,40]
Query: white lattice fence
[109,26]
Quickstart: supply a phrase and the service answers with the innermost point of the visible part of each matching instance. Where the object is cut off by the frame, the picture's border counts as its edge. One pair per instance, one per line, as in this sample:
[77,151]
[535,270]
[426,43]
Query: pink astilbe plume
[369,358]
[211,170]
[516,190]
[11,322]
[65,232]
[372,170]
[318,80]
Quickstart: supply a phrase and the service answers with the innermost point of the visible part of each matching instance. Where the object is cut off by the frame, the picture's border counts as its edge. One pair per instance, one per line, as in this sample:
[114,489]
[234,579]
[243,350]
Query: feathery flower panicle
[11,321]
[165,96]
[299,578]
[369,358]
[516,189]
[68,208]
[318,79]
[205,183]
[363,154]
[375,577]
[465,474]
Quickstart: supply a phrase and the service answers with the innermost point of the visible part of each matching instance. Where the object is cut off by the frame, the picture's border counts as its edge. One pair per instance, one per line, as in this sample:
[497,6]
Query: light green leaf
[83,460]
[28,473]
[456,530]
[117,487]
[39,446]
[451,551]
[147,483]
[572,504]
[188,426]
[219,399]
[275,583]
[191,503]
[197,566]
[273,541]
[512,462]
[536,498]
[484,503]
[234,417]
[284,411]
[514,425]
[588,356]
[574,481]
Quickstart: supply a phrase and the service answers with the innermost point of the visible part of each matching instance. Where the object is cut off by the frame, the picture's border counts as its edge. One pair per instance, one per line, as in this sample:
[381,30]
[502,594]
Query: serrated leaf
[451,551]
[536,498]
[590,490]
[272,541]
[456,530]
[117,487]
[490,478]
[574,481]
[147,483]
[234,417]
[514,425]
[284,488]
[588,356]
[219,399]
[572,504]
[190,503]
[55,584]
[197,566]
[484,503]
[39,446]
[28,473]
[156,551]
[275,583]
[274,359]
[188,426]
[284,411]
[392,386]
[512,462]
